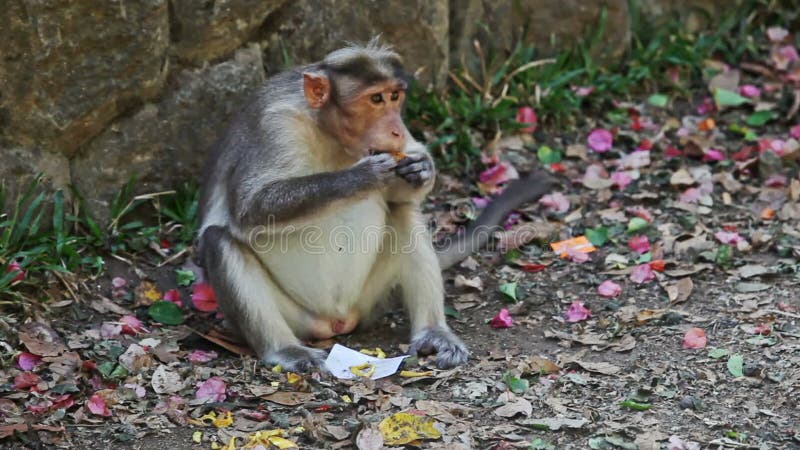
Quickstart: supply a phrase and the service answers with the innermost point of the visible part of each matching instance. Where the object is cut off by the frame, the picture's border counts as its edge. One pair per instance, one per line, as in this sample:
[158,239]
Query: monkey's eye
[395,96]
[376,98]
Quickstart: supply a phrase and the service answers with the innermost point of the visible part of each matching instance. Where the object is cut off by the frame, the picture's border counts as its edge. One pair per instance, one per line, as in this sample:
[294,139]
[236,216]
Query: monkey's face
[372,120]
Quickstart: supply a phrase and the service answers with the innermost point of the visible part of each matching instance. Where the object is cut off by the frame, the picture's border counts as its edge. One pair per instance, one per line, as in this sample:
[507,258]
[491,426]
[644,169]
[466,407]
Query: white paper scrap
[341,359]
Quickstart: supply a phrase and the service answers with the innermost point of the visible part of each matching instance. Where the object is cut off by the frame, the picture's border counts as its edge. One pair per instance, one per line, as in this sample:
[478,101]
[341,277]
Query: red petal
[203,297]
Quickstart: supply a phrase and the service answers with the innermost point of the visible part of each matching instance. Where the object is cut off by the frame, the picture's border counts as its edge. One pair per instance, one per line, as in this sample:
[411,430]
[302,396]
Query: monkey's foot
[297,358]
[449,349]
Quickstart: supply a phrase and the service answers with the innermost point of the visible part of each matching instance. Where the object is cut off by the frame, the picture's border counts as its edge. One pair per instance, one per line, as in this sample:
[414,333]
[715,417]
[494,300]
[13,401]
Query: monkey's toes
[449,349]
[297,358]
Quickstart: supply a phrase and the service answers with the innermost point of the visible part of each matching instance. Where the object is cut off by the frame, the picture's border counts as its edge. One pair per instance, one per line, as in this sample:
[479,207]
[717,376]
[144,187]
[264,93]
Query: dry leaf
[289,398]
[679,291]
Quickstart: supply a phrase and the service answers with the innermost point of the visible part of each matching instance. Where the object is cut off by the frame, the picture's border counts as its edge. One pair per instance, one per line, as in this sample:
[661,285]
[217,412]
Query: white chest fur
[324,265]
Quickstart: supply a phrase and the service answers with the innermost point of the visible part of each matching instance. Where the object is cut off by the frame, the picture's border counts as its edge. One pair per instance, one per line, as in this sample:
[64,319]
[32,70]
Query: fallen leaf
[516,405]
[679,291]
[41,340]
[597,367]
[402,428]
[475,282]
[736,365]
[642,273]
[555,423]
[287,398]
[28,361]
[97,405]
[369,439]
[165,381]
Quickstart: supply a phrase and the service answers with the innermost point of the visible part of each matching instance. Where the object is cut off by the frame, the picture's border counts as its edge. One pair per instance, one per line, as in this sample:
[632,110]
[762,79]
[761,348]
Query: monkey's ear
[317,89]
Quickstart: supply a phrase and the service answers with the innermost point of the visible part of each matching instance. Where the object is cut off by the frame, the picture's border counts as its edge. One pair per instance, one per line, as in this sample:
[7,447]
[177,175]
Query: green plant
[37,247]
[181,208]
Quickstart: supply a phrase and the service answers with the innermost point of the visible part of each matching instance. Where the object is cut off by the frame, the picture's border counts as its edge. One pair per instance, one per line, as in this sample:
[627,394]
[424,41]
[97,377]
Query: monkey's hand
[416,169]
[378,168]
[449,349]
[297,358]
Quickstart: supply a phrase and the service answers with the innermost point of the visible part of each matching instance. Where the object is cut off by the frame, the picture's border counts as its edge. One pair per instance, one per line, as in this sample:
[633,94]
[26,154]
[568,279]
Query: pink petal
[694,338]
[727,237]
[714,155]
[776,180]
[174,296]
[213,389]
[131,325]
[609,289]
[480,202]
[118,282]
[203,297]
[500,173]
[583,91]
[110,330]
[635,160]
[789,53]
[639,244]
[502,320]
[748,90]
[527,116]
[600,140]
[577,312]
[138,390]
[706,107]
[641,212]
[644,146]
[26,380]
[576,256]
[691,195]
[795,131]
[642,273]
[621,179]
[672,152]
[556,202]
[97,405]
[202,356]
[14,266]
[28,361]
[777,34]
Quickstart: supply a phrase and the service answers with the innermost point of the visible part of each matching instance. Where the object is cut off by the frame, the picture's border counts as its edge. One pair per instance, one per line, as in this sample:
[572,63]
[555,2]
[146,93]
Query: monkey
[310,212]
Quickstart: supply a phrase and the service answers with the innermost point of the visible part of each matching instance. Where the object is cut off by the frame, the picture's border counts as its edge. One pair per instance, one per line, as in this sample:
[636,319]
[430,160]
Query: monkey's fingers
[412,168]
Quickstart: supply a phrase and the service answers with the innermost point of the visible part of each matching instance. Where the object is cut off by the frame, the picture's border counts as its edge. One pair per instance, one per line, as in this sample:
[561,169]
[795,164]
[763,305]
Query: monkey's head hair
[374,50]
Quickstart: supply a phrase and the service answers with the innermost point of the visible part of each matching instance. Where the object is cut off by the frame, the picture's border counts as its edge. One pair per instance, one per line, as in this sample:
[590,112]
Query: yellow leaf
[412,374]
[347,399]
[274,383]
[224,420]
[197,437]
[282,443]
[292,378]
[402,428]
[378,353]
[277,368]
[152,294]
[231,444]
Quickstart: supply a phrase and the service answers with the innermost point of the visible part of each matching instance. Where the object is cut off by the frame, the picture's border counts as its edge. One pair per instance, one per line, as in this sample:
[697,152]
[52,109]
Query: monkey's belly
[324,267]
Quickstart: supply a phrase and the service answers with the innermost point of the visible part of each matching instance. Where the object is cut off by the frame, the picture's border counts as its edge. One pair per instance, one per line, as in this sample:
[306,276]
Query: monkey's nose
[395,133]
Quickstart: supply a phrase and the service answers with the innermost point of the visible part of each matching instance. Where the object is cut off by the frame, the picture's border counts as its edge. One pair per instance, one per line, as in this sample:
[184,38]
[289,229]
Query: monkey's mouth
[398,156]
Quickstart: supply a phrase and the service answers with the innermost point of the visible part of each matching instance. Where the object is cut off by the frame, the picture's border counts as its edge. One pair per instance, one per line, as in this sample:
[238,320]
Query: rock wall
[92,92]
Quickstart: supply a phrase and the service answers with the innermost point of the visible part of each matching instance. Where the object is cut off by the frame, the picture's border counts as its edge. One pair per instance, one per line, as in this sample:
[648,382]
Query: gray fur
[449,349]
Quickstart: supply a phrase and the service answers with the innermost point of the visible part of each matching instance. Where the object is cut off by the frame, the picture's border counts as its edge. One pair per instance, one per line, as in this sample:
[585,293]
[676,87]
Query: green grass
[44,232]
[480,104]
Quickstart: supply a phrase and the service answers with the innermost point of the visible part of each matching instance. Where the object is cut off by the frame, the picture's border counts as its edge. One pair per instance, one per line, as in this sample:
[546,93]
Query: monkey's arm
[291,198]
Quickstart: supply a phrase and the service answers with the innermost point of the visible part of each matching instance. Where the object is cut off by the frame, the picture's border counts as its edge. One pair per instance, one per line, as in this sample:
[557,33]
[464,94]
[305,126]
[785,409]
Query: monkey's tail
[521,191]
